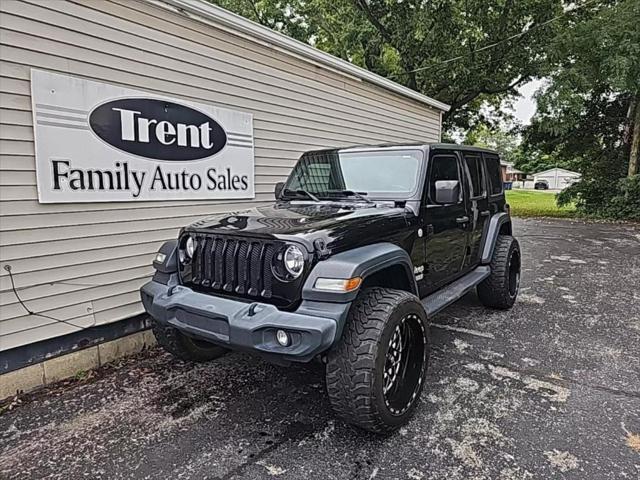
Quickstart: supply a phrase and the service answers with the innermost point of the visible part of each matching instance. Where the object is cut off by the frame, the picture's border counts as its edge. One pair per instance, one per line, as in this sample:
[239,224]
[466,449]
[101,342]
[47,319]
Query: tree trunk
[635,140]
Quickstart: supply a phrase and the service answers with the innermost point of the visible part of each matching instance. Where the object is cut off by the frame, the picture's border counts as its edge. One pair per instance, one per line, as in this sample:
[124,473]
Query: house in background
[513,174]
[557,178]
[510,173]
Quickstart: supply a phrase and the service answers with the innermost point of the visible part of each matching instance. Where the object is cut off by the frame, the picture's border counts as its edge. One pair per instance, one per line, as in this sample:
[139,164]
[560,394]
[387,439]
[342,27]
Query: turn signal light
[338,284]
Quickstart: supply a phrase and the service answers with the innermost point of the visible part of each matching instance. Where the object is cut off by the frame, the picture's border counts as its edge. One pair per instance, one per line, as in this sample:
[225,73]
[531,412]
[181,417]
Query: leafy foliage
[413,42]
[503,141]
[604,200]
[586,115]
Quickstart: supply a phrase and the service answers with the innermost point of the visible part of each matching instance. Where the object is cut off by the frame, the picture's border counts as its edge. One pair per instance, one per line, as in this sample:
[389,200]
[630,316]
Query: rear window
[495,175]
[476,175]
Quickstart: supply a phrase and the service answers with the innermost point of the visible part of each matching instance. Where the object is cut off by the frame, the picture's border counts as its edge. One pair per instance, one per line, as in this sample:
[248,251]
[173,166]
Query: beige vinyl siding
[84,263]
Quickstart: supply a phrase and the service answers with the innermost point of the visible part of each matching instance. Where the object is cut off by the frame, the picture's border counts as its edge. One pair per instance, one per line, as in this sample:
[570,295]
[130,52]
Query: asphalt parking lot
[550,389]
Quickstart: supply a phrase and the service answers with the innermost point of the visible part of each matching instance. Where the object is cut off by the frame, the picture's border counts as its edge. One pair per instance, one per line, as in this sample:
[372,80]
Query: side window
[443,167]
[495,175]
[476,175]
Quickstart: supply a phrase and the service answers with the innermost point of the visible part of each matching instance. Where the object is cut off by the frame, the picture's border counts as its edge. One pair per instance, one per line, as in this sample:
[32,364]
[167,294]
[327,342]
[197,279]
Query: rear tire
[183,346]
[500,289]
[377,371]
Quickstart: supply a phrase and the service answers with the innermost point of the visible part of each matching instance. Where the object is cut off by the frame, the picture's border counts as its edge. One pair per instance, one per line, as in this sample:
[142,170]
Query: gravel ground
[550,389]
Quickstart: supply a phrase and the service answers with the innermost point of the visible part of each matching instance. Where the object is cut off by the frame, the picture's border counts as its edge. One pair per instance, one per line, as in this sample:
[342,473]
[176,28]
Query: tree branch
[407,65]
[459,101]
[364,8]
[252,3]
[506,88]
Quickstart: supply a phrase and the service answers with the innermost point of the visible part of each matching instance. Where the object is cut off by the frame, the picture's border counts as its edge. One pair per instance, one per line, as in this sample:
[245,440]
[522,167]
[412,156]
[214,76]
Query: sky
[525,107]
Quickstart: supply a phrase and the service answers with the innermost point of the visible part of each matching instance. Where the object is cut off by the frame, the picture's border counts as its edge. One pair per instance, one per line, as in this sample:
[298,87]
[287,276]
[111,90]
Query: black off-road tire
[183,346]
[500,289]
[355,370]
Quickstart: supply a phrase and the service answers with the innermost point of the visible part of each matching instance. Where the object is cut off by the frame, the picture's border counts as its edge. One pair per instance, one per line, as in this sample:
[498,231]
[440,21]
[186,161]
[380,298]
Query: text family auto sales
[136,126]
[124,178]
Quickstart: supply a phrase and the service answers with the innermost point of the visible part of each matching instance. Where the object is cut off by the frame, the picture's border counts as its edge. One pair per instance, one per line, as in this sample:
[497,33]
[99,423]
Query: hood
[338,226]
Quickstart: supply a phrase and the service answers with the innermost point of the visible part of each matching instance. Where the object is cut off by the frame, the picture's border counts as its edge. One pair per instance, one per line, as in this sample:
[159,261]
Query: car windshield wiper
[352,193]
[301,191]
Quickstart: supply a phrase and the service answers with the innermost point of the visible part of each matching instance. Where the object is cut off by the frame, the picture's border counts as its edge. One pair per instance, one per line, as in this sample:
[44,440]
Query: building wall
[558,181]
[84,263]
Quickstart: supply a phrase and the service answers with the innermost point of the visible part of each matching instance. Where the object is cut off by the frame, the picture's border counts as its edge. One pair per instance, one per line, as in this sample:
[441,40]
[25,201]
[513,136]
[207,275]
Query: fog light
[160,257]
[283,338]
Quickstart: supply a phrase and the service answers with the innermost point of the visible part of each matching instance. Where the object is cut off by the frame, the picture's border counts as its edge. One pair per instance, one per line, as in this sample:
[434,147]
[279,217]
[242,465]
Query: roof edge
[558,168]
[219,15]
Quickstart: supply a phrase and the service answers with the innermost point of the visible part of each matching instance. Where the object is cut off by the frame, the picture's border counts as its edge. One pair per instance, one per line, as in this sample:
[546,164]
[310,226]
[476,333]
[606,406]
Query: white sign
[102,143]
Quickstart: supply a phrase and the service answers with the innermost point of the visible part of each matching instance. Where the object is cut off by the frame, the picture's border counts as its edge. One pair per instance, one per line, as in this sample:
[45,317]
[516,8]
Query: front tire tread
[351,366]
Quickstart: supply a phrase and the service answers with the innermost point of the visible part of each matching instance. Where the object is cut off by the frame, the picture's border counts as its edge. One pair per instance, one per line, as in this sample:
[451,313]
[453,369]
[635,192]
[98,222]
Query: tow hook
[253,309]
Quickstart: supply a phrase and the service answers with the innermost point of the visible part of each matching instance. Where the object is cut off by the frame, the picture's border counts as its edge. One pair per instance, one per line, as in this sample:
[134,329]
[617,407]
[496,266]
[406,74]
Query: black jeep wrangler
[362,246]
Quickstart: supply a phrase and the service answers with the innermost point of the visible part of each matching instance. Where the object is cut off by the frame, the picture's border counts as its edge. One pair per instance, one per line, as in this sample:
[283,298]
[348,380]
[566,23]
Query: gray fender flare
[491,235]
[359,262]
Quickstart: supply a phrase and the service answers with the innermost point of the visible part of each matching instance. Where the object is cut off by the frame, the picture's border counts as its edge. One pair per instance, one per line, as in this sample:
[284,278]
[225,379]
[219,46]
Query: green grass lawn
[537,203]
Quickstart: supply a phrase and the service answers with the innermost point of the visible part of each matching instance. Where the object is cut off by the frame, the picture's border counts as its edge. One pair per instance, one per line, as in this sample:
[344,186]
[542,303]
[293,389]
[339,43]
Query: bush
[598,197]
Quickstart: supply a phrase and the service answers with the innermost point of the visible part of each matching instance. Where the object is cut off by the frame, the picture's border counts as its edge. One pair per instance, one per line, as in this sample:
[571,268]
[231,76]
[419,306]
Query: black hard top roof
[424,146]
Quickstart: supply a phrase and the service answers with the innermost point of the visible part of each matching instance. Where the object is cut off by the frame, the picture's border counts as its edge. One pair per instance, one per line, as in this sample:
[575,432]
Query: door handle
[464,219]
[485,213]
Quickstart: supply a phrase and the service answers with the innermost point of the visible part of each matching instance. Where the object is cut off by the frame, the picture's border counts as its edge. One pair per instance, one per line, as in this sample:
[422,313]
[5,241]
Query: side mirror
[278,189]
[447,192]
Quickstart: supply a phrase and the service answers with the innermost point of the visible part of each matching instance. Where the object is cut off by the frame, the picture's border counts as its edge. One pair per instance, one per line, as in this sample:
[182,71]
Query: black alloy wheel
[404,365]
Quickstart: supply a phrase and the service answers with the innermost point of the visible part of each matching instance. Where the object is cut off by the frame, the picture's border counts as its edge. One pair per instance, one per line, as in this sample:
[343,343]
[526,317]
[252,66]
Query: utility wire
[38,314]
[500,42]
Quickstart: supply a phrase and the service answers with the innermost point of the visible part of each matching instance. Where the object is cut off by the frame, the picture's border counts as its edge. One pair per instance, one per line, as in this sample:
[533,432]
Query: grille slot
[234,265]
[207,262]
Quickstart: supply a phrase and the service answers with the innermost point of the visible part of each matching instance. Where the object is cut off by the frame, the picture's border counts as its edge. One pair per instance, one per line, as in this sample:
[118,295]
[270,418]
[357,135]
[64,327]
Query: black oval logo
[157,129]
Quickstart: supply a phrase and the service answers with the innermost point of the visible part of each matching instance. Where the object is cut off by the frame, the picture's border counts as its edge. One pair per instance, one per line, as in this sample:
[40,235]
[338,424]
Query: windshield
[327,174]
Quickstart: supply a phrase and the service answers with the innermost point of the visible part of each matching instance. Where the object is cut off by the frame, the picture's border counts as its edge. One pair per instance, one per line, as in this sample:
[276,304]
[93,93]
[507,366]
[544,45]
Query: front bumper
[246,326]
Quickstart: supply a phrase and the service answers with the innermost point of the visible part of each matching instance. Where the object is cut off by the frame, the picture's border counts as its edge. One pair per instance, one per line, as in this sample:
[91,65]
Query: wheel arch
[380,264]
[499,224]
[394,276]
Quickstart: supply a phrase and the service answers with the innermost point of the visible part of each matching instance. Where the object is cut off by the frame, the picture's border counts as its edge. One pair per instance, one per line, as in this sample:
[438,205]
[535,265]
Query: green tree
[465,53]
[505,142]
[589,114]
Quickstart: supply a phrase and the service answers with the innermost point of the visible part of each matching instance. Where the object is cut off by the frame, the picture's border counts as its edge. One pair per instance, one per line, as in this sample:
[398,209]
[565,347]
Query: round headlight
[294,261]
[190,247]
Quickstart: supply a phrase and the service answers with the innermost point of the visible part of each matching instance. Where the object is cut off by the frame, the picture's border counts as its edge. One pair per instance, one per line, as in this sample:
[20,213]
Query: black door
[478,204]
[446,225]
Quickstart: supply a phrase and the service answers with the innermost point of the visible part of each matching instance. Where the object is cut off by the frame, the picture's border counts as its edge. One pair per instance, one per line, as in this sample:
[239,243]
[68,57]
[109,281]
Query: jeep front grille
[233,265]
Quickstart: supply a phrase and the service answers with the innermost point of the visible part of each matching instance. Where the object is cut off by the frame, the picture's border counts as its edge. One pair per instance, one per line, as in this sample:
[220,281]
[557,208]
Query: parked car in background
[541,185]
